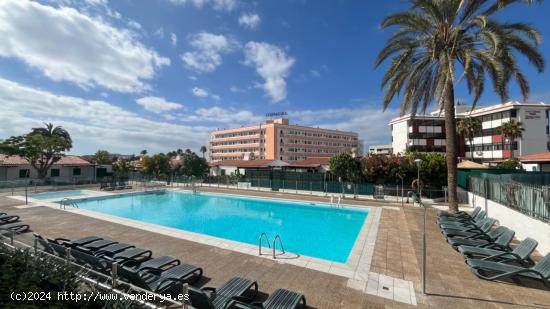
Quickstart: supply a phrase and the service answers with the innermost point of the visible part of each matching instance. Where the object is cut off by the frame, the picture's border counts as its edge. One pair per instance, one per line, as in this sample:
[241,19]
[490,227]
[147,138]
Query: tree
[143,152]
[157,165]
[121,169]
[203,150]
[510,164]
[511,131]
[469,127]
[344,166]
[435,40]
[42,147]
[193,165]
[102,157]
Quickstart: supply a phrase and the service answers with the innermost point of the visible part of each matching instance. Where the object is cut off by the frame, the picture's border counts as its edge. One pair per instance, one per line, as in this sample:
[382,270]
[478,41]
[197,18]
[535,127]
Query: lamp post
[418,163]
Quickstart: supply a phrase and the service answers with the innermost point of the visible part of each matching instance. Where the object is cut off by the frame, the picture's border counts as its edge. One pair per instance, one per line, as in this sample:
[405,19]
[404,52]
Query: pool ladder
[274,247]
[67,202]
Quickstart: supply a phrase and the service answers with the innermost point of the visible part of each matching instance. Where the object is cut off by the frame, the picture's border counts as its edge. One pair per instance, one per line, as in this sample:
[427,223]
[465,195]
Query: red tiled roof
[67,160]
[12,160]
[242,163]
[312,162]
[536,157]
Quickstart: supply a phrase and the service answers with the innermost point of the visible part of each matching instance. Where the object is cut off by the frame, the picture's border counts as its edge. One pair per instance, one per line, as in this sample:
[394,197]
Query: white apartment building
[380,149]
[426,133]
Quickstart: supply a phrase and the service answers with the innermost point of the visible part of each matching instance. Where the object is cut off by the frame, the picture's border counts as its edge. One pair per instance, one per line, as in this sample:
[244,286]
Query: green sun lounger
[498,238]
[91,261]
[17,227]
[480,231]
[462,224]
[112,249]
[222,297]
[460,214]
[136,255]
[96,245]
[76,242]
[540,271]
[520,254]
[476,216]
[156,280]
[161,263]
[280,299]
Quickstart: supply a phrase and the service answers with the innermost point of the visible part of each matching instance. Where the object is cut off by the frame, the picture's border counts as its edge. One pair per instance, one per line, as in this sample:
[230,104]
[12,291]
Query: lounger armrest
[152,270]
[503,254]
[60,241]
[209,289]
[493,245]
[240,298]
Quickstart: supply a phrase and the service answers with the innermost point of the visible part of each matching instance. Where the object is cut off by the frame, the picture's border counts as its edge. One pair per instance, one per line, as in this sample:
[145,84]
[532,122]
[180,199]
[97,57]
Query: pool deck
[397,255]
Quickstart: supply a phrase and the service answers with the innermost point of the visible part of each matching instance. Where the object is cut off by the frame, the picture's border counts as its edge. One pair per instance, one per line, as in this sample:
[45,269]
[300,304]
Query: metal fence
[532,200]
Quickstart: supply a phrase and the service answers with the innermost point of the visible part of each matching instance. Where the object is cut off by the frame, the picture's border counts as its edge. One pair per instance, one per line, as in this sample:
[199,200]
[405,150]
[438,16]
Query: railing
[531,200]
[275,245]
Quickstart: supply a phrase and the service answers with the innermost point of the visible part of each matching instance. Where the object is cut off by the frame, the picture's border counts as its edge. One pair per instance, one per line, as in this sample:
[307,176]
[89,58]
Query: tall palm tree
[468,128]
[203,150]
[436,40]
[511,131]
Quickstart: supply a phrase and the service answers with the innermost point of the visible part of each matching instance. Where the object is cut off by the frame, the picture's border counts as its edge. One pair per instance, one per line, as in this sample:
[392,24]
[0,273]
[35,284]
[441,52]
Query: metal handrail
[275,245]
[260,242]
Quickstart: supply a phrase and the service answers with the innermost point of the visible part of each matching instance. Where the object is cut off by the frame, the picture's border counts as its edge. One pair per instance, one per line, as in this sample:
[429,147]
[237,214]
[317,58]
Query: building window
[24,173]
[77,171]
[513,113]
[54,172]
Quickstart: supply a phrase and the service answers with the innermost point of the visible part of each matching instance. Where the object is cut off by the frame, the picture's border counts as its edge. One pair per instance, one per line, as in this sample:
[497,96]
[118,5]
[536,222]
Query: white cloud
[93,124]
[208,48]
[193,78]
[173,39]
[157,104]
[236,89]
[199,92]
[272,64]
[229,116]
[250,20]
[220,5]
[76,48]
[134,24]
[215,97]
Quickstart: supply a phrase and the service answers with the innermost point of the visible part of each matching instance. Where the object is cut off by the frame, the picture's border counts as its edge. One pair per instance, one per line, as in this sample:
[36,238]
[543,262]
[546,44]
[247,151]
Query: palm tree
[511,131]
[50,131]
[468,128]
[203,150]
[438,39]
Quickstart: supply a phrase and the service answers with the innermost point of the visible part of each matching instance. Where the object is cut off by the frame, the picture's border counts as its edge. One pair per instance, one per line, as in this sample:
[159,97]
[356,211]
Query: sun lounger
[471,231]
[91,261]
[446,214]
[478,215]
[498,238]
[6,219]
[76,242]
[136,255]
[520,254]
[462,224]
[162,262]
[157,280]
[96,245]
[112,249]
[17,227]
[46,246]
[280,299]
[212,298]
[540,271]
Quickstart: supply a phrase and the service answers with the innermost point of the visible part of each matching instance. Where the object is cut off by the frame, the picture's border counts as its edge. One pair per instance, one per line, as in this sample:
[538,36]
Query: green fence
[532,200]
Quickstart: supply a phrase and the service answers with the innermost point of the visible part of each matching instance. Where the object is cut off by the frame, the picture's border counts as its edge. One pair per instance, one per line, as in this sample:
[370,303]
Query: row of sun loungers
[488,252]
[165,274]
[11,223]
[111,186]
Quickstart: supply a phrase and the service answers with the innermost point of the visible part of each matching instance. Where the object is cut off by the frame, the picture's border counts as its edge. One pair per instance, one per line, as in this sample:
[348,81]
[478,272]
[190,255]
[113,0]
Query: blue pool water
[59,194]
[317,231]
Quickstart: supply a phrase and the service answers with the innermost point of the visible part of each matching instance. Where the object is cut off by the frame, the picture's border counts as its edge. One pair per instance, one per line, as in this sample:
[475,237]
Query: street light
[418,163]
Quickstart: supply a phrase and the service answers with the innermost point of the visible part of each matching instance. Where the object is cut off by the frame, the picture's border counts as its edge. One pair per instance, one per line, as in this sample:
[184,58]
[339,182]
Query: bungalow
[69,169]
[227,167]
[536,162]
[312,164]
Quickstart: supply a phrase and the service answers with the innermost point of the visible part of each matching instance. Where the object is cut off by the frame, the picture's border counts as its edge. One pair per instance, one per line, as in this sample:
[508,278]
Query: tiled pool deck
[383,273]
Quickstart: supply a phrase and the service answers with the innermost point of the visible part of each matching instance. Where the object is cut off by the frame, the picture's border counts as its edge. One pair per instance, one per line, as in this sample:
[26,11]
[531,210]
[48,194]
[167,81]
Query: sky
[127,75]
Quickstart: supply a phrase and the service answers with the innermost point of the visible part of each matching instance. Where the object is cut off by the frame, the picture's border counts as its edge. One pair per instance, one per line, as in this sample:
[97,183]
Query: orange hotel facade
[277,139]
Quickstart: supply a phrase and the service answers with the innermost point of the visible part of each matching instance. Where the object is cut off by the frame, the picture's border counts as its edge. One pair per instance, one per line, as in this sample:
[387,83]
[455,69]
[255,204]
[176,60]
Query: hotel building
[426,133]
[277,139]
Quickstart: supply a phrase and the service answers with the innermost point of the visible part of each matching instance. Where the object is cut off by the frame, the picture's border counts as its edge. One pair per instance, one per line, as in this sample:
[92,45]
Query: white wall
[400,136]
[524,226]
[534,135]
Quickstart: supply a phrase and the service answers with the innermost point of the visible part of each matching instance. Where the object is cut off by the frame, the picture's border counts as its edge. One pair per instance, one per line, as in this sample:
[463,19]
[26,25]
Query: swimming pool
[59,194]
[312,230]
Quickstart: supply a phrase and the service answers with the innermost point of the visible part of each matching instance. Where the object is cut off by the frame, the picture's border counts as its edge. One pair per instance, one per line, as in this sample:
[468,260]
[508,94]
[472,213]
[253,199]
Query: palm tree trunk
[451,146]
